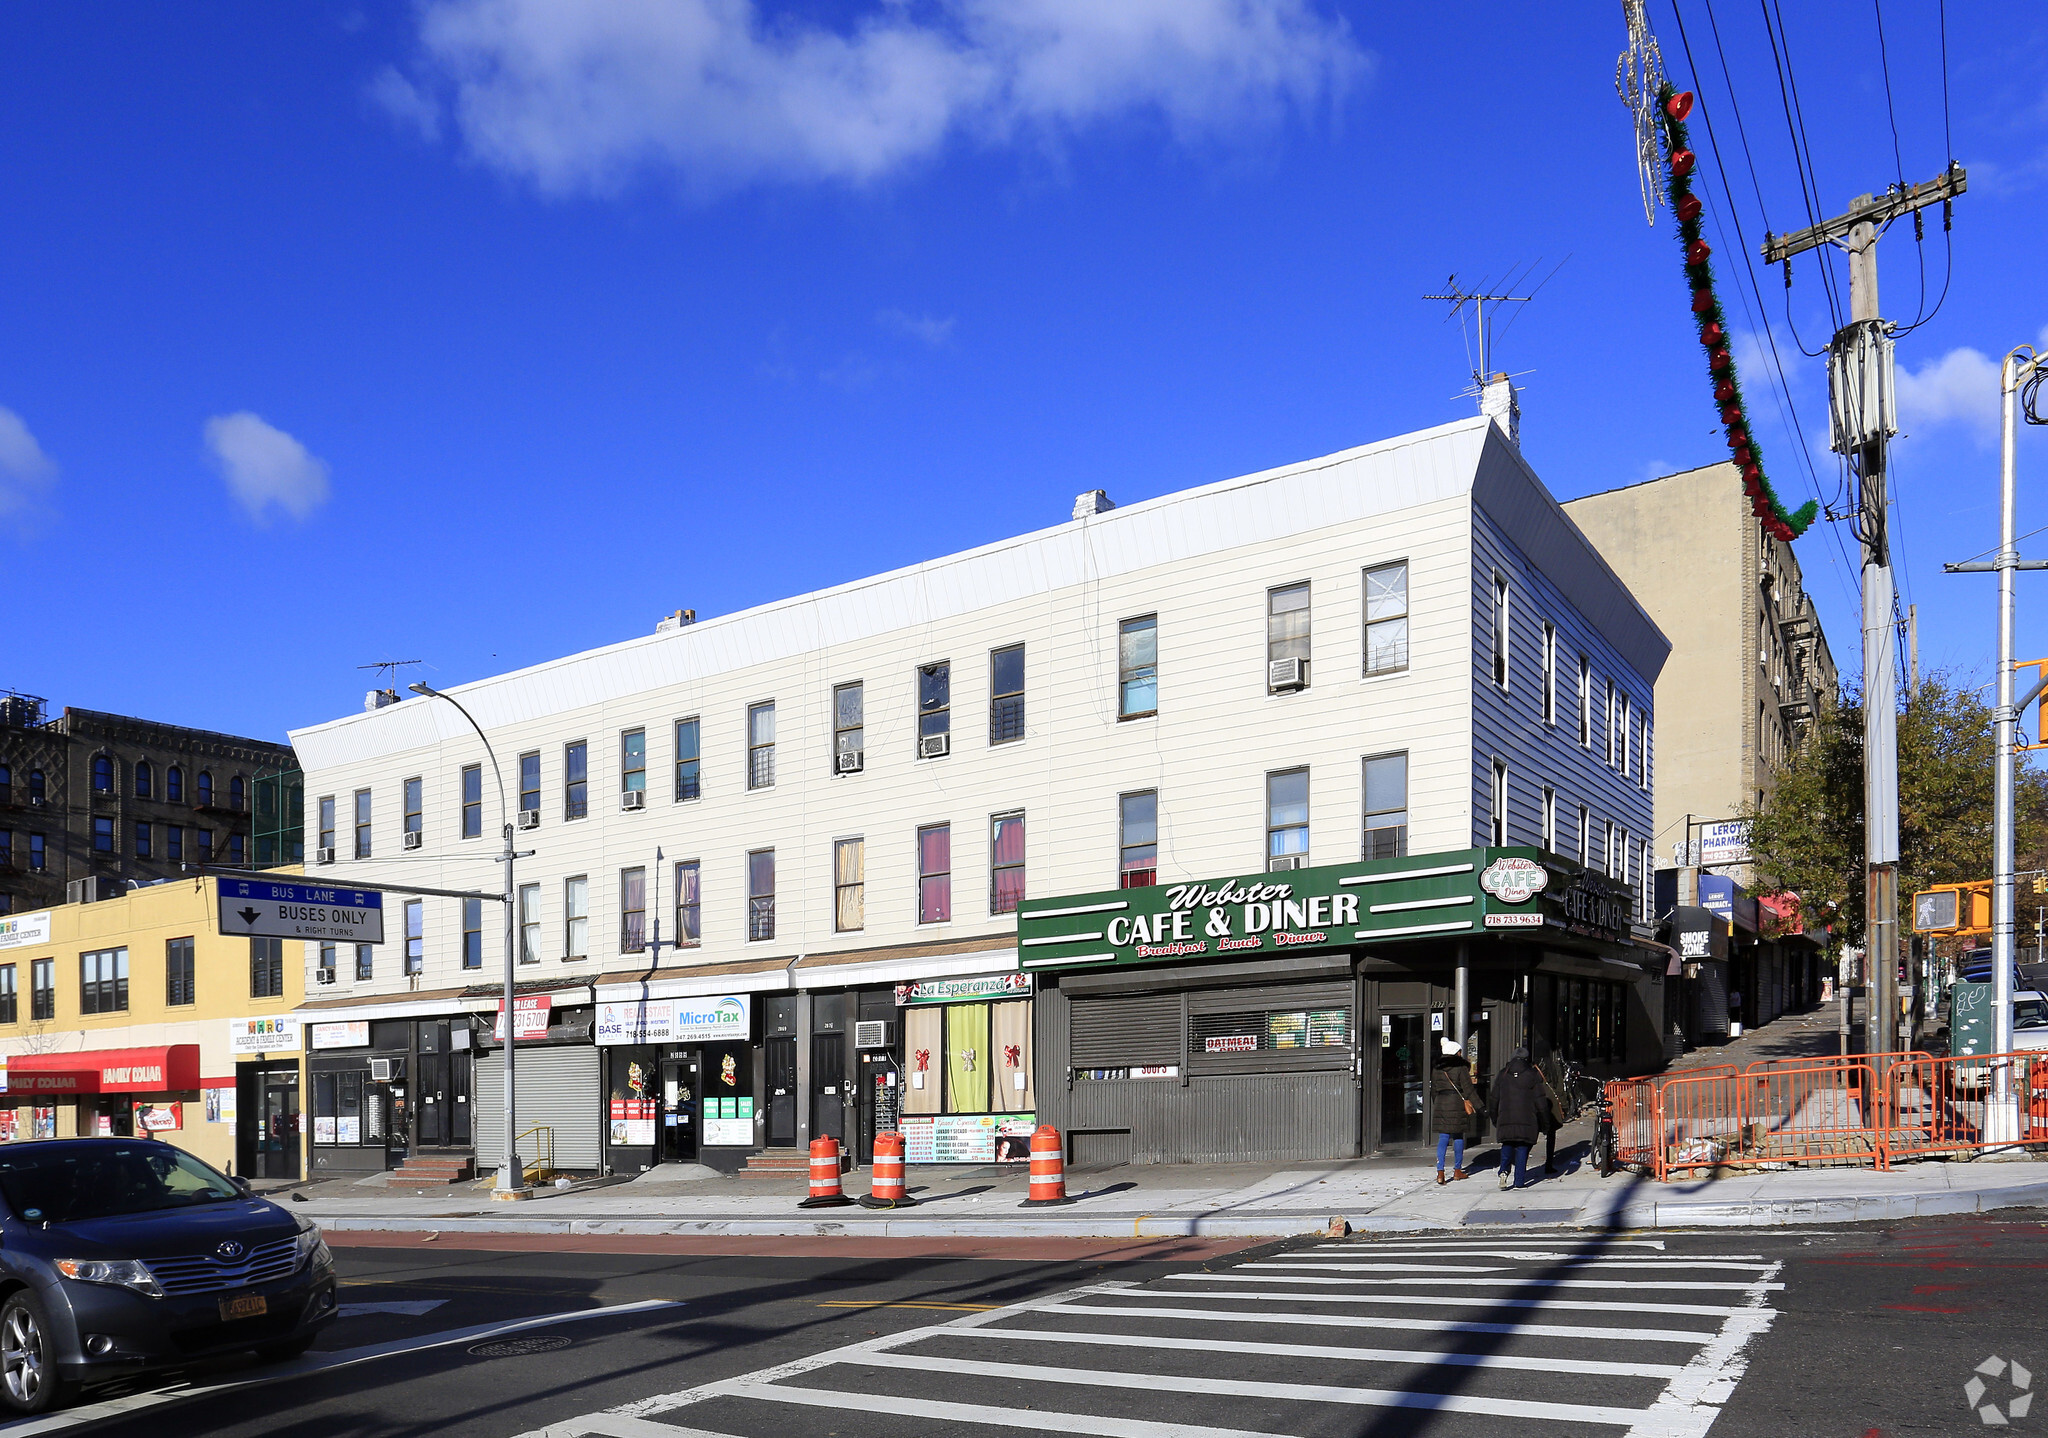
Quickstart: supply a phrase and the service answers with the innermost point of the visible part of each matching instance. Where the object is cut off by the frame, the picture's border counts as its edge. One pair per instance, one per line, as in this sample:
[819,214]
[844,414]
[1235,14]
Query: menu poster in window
[323,1130]
[348,1130]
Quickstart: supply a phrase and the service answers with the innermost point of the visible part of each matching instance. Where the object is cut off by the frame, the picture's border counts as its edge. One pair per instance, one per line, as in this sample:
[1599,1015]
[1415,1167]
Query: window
[529,923]
[1585,703]
[1549,820]
[1497,826]
[1287,820]
[1647,897]
[103,980]
[1287,616]
[326,975]
[204,839]
[174,784]
[266,968]
[472,933]
[688,756]
[6,851]
[849,709]
[1386,807]
[760,895]
[35,786]
[575,918]
[179,971]
[1006,694]
[1619,853]
[935,874]
[142,838]
[43,989]
[415,936]
[934,701]
[761,746]
[1608,753]
[142,779]
[1500,631]
[1386,618]
[689,905]
[1137,839]
[362,823]
[327,823]
[103,836]
[9,1013]
[174,844]
[575,780]
[1549,673]
[1643,774]
[1005,862]
[632,911]
[205,789]
[6,784]
[472,801]
[1627,730]
[849,885]
[414,789]
[38,859]
[633,762]
[1585,837]
[103,773]
[237,794]
[529,783]
[1138,667]
[365,961]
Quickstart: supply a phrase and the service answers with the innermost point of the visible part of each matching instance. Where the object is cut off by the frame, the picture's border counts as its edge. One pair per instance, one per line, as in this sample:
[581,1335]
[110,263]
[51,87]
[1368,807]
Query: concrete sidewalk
[1233,1200]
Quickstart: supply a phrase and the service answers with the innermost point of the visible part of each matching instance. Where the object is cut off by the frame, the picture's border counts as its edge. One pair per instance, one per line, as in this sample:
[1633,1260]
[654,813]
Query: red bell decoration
[1679,105]
[1689,209]
[1696,253]
[1751,473]
[1682,162]
[1731,415]
[1702,301]
[1736,435]
[1720,359]
[1741,455]
[1710,333]
[1725,390]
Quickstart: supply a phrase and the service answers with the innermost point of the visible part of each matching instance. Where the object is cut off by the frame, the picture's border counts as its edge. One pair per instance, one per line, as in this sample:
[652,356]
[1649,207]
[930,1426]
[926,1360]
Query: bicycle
[1586,1095]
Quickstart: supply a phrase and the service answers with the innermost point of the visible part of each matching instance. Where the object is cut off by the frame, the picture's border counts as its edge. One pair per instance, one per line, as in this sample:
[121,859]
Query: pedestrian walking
[1517,1107]
[1451,1106]
[1556,1120]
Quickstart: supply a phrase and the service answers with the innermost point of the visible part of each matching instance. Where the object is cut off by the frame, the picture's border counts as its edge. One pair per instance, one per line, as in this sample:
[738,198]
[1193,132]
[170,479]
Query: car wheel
[28,1372]
[284,1350]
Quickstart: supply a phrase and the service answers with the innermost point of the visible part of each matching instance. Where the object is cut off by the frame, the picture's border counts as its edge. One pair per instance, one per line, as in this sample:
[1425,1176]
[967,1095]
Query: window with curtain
[529,923]
[632,911]
[689,904]
[849,885]
[1005,862]
[760,895]
[576,918]
[1137,839]
[935,874]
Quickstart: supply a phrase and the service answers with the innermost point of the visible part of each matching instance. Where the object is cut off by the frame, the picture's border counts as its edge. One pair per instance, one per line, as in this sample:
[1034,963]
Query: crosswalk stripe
[1421,1357]
[1630,1418]
[1702,1310]
[1532,1255]
[1658,1265]
[1600,1283]
[1407,1324]
[617,1425]
[1442,1245]
[1037,1419]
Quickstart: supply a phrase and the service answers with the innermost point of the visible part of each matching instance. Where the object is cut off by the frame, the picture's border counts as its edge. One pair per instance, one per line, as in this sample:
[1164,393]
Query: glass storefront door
[681,1096]
[780,1054]
[1405,1041]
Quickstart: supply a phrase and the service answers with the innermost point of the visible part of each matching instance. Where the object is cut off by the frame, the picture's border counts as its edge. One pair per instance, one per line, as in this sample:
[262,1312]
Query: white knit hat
[1450,1048]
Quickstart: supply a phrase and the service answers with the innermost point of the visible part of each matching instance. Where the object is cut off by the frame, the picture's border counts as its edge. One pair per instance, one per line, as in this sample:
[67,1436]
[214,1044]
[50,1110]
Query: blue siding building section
[1553,576]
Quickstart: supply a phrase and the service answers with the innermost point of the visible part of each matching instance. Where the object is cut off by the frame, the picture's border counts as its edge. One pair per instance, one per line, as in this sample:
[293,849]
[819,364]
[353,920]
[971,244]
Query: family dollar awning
[168,1069]
[1515,893]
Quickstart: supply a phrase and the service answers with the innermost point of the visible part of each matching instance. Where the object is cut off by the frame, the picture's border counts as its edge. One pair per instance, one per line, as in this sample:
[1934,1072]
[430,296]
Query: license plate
[248,1305]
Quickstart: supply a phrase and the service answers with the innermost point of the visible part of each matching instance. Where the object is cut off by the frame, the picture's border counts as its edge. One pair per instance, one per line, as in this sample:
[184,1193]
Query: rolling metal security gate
[558,1086]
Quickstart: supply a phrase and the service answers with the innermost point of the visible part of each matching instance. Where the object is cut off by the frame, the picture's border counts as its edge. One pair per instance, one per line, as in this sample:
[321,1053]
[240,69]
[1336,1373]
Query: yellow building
[135,1014]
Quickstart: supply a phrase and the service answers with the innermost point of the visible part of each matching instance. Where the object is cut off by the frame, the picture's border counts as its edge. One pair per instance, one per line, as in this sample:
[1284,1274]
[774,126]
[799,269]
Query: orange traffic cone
[1048,1169]
[886,1190]
[825,1175]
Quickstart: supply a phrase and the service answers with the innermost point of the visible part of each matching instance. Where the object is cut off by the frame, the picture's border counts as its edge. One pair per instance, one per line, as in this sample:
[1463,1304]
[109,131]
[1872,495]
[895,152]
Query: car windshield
[2030,1014]
[64,1183]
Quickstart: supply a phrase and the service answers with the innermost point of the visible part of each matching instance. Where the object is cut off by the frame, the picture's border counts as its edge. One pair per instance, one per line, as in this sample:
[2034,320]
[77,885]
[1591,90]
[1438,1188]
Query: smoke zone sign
[267,909]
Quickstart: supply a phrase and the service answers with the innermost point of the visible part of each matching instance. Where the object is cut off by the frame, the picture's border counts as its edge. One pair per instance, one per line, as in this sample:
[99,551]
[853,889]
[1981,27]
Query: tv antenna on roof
[389,669]
[1479,299]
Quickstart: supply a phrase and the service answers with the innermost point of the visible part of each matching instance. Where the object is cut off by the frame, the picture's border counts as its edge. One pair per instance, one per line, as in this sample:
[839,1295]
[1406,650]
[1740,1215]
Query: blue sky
[483,331]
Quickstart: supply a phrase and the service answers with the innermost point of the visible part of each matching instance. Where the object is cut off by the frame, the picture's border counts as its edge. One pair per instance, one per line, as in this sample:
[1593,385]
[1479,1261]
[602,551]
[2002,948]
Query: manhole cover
[519,1347]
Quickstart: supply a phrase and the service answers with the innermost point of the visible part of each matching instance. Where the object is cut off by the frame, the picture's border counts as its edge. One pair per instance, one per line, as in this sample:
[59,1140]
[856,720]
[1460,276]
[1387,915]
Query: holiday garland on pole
[1713,327]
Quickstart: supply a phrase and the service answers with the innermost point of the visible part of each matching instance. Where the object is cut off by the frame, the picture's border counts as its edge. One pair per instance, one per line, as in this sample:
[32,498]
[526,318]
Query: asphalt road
[1857,1331]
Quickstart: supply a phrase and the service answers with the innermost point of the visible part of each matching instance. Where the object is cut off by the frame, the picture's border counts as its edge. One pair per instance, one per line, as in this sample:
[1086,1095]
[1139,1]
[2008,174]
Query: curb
[1141,1226]
[1766,1213]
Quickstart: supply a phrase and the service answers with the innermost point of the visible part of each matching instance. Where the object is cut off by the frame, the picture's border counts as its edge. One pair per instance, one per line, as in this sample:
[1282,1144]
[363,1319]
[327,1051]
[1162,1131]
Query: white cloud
[1961,387]
[264,466]
[928,328]
[575,96]
[406,103]
[26,473]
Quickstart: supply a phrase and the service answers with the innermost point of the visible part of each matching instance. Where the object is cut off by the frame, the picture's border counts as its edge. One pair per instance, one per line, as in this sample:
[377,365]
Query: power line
[1802,153]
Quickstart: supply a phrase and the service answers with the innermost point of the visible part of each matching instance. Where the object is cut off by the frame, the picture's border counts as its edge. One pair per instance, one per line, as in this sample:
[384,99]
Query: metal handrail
[542,1169]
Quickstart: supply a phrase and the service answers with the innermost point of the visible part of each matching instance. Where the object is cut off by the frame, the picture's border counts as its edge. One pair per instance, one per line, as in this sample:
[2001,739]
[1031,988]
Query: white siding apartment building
[835,802]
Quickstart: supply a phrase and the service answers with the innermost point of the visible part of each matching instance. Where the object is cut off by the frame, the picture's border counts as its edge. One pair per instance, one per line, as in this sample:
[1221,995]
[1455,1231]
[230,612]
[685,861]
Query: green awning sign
[1333,906]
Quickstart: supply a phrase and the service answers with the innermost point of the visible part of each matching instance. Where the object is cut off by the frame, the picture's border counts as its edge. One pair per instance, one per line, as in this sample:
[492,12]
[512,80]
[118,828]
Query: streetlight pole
[510,1185]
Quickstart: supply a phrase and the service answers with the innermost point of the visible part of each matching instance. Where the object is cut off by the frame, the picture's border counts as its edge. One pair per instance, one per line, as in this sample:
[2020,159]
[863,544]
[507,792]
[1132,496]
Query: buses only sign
[275,909]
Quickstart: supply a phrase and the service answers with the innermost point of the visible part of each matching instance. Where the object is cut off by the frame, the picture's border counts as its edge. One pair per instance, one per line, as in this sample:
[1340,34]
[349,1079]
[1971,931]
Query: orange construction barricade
[1048,1169]
[825,1175]
[886,1188]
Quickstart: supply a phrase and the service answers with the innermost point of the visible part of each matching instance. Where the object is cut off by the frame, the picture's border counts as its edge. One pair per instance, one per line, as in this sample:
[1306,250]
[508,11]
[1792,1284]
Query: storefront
[1298,1015]
[112,1093]
[679,1080]
[558,1076]
[961,1088]
[1698,1001]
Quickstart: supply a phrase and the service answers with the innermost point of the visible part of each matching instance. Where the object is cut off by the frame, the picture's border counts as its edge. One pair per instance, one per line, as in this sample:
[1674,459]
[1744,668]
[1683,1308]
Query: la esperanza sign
[1334,906]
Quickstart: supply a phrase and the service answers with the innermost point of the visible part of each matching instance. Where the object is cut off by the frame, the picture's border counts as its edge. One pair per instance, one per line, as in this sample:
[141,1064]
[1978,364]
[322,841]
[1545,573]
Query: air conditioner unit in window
[386,1070]
[874,1033]
[852,761]
[633,799]
[413,838]
[934,746]
[529,818]
[323,856]
[1287,861]
[1283,675]
[326,976]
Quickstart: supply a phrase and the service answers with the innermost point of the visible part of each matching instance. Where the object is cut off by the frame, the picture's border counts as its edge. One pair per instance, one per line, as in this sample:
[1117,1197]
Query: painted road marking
[947,1307]
[1448,1245]
[1407,1324]
[1654,1264]
[1702,1310]
[1600,1283]
[1038,1420]
[410,1307]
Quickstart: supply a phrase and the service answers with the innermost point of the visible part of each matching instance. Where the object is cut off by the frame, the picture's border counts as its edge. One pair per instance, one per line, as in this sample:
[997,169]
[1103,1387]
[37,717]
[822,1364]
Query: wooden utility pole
[1862,420]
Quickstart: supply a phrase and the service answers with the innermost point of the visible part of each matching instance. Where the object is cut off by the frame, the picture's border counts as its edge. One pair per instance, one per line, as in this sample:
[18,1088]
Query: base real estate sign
[1511,893]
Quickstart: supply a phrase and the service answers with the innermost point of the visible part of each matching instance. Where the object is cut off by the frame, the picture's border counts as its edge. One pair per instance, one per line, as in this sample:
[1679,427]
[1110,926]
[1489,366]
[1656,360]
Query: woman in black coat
[1451,1105]
[1520,1108]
